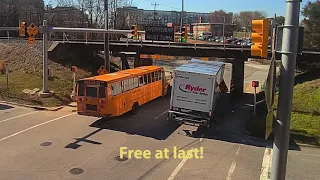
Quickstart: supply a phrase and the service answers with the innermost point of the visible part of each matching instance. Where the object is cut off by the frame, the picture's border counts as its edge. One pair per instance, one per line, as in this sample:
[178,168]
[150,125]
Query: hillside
[305,125]
[25,72]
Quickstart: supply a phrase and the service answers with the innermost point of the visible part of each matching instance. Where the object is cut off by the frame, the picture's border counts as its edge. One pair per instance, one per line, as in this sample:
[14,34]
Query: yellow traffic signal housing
[184,35]
[22,28]
[260,35]
[134,31]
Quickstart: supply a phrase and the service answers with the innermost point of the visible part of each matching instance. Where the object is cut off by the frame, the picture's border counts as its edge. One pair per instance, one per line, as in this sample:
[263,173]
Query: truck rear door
[192,91]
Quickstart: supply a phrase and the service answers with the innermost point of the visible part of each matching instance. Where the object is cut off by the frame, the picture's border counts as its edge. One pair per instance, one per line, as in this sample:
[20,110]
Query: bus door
[91,97]
[102,96]
[95,95]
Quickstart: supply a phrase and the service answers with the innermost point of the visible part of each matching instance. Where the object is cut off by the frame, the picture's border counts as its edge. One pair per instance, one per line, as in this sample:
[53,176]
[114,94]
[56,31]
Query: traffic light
[22,28]
[134,31]
[184,35]
[260,35]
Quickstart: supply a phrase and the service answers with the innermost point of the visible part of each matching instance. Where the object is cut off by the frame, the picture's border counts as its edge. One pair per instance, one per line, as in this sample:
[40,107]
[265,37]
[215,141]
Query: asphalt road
[48,145]
[63,145]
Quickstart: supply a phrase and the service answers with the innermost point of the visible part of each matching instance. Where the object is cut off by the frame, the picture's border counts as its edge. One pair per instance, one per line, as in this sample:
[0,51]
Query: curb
[308,145]
[34,107]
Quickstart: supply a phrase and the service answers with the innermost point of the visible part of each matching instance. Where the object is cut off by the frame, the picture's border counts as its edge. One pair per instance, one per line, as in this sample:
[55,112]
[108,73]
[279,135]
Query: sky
[270,6]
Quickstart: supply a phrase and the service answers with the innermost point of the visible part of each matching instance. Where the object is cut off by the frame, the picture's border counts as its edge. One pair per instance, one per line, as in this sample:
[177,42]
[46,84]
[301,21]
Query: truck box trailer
[195,92]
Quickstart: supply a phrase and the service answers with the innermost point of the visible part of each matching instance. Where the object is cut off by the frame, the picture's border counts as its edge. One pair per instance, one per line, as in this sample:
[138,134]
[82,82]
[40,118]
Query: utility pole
[106,37]
[154,11]
[288,57]
[182,8]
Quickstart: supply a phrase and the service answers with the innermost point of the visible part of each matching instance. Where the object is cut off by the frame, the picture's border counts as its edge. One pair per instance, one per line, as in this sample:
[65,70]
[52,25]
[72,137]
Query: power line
[164,5]
[154,11]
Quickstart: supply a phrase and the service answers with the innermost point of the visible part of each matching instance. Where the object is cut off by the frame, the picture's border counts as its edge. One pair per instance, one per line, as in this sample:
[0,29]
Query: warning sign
[32,30]
[31,40]
[102,70]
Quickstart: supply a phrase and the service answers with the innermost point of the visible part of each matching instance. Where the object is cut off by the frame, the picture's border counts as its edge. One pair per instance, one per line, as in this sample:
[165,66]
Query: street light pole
[289,55]
[106,37]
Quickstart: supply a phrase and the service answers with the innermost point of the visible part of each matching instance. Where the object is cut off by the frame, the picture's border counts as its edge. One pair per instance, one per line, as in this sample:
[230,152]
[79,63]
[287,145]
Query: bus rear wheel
[135,108]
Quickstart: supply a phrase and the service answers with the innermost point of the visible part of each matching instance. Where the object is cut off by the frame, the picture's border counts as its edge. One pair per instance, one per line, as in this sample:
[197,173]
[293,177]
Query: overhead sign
[159,33]
[102,70]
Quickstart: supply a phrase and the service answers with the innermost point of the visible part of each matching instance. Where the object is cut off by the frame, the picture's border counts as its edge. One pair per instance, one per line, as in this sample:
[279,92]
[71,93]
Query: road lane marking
[306,154]
[238,150]
[177,169]
[161,114]
[258,67]
[309,160]
[231,170]
[201,139]
[18,116]
[35,126]
[266,164]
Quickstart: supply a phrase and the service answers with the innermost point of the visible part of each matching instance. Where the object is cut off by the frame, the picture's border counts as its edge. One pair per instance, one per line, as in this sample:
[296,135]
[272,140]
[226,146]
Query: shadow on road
[4,107]
[150,121]
[75,144]
[234,120]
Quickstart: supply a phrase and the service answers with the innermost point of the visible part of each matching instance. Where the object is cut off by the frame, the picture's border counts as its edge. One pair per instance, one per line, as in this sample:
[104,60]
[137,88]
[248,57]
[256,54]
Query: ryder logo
[191,89]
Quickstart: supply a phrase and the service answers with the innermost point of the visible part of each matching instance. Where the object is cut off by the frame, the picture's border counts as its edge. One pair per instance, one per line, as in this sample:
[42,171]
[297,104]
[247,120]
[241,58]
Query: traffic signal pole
[106,37]
[289,55]
[45,58]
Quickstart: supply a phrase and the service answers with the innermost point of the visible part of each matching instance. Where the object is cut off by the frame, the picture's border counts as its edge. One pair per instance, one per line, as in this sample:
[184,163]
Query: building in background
[126,16]
[216,29]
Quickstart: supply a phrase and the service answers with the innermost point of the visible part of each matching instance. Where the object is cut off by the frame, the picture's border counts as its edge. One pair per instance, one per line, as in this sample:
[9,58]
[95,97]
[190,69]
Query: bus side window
[156,76]
[136,82]
[145,79]
[153,77]
[131,83]
[125,85]
[159,74]
[141,81]
[116,88]
[149,78]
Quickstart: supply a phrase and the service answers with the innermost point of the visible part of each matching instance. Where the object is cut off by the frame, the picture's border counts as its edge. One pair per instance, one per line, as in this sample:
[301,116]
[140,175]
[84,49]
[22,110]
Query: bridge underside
[234,55]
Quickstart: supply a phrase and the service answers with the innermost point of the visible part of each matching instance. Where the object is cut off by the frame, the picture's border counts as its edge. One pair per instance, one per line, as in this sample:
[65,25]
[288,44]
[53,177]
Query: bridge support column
[124,63]
[238,77]
[137,60]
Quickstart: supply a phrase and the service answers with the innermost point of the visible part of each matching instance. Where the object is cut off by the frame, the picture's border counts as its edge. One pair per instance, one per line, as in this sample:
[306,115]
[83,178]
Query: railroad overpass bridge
[235,54]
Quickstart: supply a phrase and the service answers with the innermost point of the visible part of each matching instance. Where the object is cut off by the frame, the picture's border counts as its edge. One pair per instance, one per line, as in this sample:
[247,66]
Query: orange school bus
[114,94]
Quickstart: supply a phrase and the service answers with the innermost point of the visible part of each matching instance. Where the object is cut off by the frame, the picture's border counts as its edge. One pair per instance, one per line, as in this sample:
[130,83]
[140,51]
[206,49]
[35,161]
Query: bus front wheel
[135,108]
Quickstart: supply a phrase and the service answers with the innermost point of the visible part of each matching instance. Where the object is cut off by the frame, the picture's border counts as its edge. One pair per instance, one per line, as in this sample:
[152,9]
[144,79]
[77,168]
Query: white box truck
[195,92]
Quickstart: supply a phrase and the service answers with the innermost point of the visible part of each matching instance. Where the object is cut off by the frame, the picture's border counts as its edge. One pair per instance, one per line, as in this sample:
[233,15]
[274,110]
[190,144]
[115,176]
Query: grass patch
[19,80]
[305,117]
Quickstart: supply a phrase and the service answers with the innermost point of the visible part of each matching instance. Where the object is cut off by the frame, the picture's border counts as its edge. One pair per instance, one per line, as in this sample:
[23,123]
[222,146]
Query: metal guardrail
[9,28]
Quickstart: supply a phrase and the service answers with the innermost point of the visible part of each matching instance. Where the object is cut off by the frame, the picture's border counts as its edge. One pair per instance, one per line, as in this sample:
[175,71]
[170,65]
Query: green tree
[244,18]
[311,22]
[280,20]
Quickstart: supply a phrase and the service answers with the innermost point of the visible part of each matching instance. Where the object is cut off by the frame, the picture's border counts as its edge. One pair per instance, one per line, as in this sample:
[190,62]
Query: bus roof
[123,74]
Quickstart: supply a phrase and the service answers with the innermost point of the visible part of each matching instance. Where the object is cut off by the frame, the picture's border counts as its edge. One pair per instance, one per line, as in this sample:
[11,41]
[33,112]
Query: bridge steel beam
[238,77]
